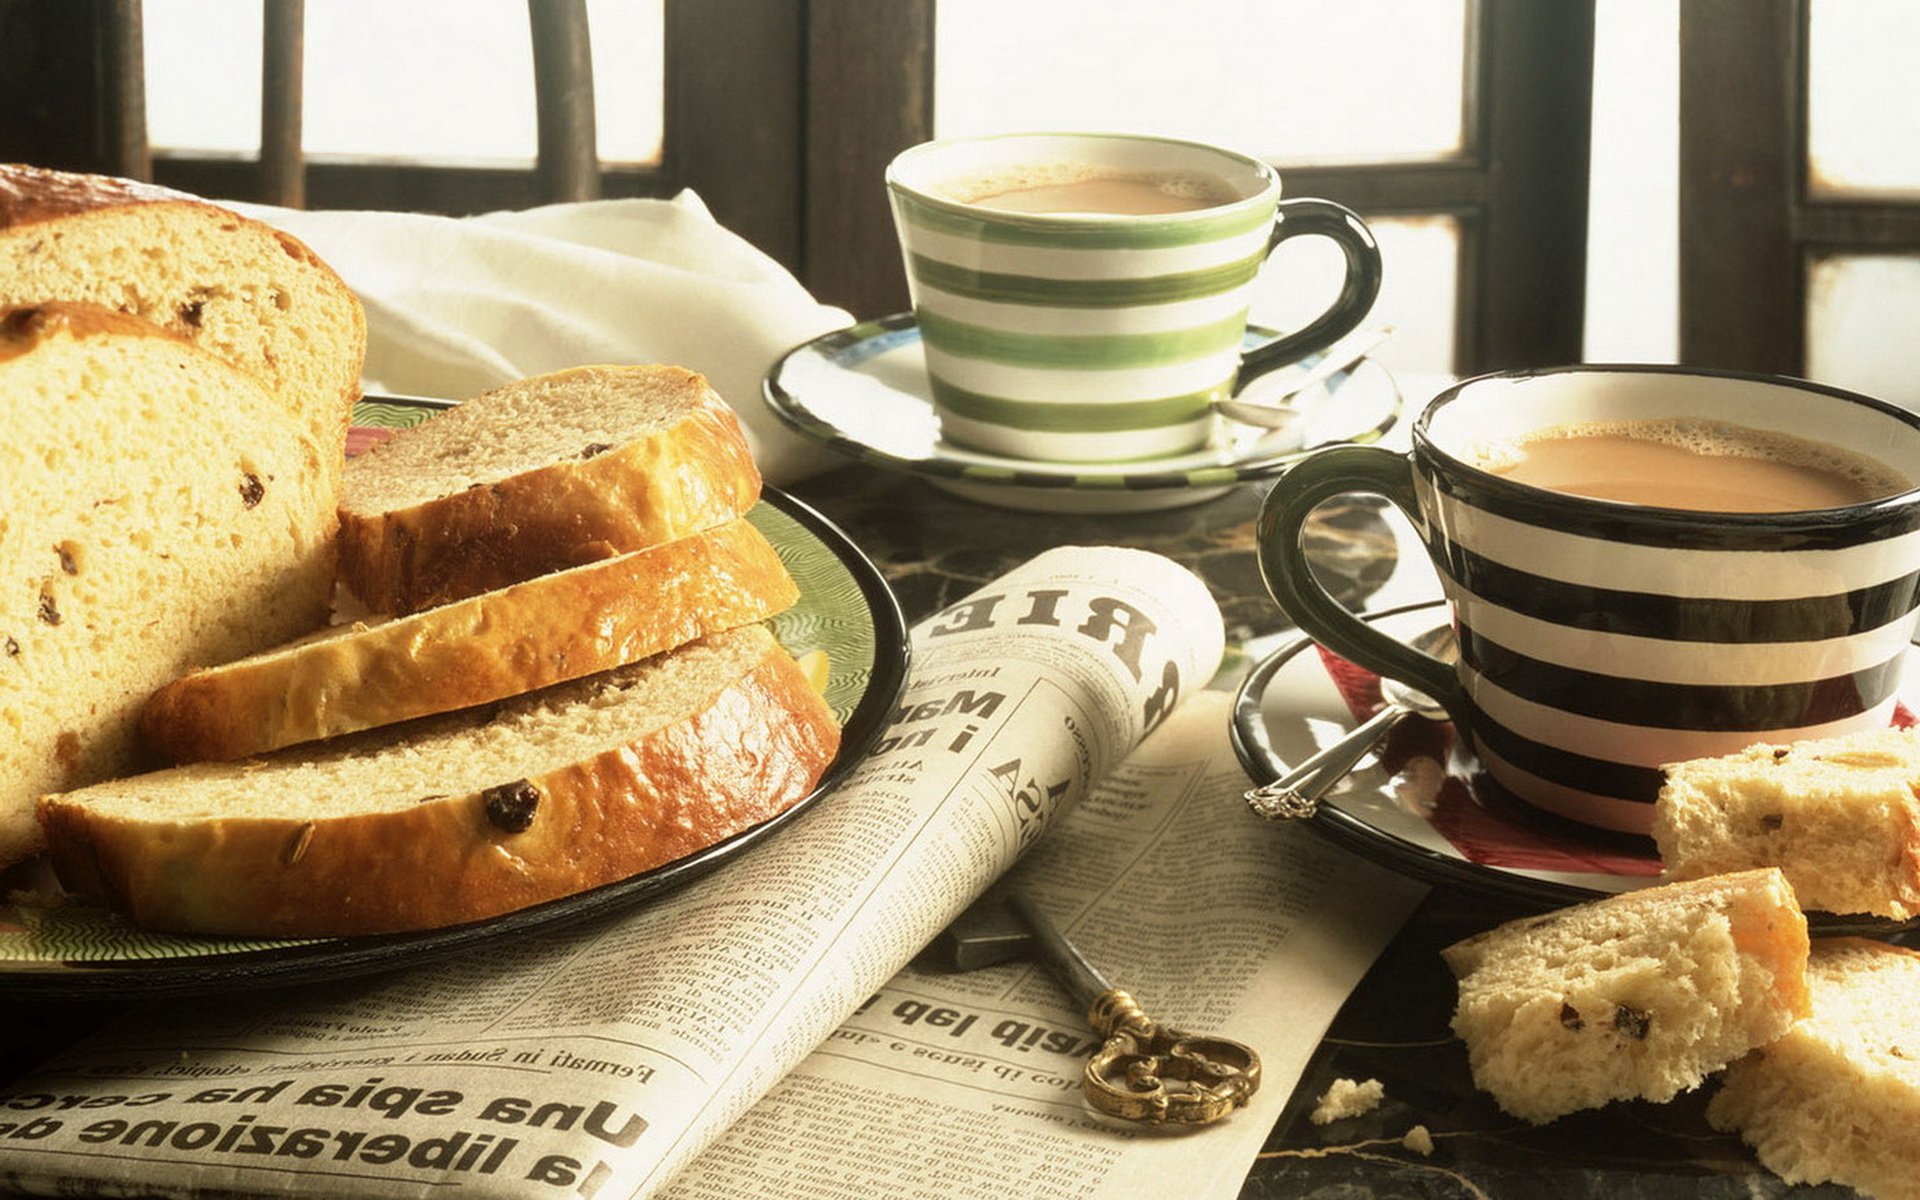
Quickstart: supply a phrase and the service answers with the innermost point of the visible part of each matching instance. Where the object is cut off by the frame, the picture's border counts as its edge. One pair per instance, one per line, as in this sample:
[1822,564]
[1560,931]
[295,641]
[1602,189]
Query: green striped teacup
[1090,330]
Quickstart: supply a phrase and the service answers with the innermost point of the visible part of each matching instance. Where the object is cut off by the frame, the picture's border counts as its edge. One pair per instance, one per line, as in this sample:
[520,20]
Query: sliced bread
[1637,995]
[461,816]
[537,476]
[1838,1096]
[158,509]
[474,651]
[1838,815]
[252,295]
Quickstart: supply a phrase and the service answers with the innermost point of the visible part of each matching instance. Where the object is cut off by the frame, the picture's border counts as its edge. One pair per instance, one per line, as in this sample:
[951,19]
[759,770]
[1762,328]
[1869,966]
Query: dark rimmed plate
[845,609]
[1473,835]
[863,392]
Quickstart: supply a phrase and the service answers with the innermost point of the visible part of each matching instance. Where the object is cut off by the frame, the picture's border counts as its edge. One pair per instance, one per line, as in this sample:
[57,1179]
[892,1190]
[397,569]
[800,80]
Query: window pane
[1289,80]
[1633,210]
[1863,126]
[447,81]
[1420,256]
[1862,310]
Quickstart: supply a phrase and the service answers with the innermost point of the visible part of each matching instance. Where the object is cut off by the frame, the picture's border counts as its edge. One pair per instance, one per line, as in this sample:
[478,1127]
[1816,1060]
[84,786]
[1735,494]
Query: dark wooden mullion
[404,187]
[282,74]
[1537,105]
[1861,225]
[869,96]
[1399,187]
[568,156]
[1742,150]
[734,103]
[123,74]
[49,69]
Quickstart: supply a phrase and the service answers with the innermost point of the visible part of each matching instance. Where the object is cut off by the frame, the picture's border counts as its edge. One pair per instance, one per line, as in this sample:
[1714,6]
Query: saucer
[863,391]
[1471,834]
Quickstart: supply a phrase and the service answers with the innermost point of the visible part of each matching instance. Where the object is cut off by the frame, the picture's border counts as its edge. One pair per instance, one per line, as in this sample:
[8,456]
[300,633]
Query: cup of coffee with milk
[1083,297]
[1643,564]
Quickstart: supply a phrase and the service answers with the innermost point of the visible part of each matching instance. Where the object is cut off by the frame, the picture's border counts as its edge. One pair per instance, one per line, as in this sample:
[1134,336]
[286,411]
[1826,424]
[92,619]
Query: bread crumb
[1348,1099]
[1419,1140]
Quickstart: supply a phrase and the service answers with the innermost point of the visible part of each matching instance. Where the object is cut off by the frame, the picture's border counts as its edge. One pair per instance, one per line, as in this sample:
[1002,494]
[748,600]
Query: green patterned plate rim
[845,609]
[862,391]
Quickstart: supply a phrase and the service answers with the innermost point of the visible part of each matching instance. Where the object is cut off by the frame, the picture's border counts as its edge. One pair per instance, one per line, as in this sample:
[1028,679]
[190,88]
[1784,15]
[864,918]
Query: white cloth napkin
[458,305]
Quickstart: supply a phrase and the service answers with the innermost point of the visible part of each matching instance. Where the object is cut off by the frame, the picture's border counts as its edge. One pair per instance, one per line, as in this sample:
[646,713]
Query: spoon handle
[1272,412]
[1295,795]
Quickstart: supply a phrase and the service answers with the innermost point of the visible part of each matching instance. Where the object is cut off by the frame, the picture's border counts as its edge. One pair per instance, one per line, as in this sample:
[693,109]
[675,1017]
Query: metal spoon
[1296,795]
[1269,413]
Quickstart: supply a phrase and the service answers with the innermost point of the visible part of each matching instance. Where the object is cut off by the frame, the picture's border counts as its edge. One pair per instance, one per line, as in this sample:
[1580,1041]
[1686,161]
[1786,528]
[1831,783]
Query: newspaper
[964,1086]
[604,1059]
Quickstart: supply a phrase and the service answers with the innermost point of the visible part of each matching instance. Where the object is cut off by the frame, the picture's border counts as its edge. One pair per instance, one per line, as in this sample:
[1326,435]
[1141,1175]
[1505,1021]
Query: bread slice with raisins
[158,509]
[1840,816]
[1639,995]
[1837,1097]
[536,476]
[242,290]
[475,651]
[461,816]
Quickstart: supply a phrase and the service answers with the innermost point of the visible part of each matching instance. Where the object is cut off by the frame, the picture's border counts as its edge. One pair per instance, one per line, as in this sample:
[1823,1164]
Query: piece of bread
[252,295]
[1636,995]
[1837,1097]
[461,816]
[474,651]
[1839,816]
[537,476]
[158,509]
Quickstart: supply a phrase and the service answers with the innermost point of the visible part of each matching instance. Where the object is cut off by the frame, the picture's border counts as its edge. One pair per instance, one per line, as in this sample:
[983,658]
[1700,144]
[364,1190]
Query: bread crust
[24,328]
[31,196]
[474,651]
[692,476]
[35,201]
[745,754]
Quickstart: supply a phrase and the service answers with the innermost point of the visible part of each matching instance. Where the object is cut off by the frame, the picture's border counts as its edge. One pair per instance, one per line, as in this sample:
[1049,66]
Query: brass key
[1145,1072]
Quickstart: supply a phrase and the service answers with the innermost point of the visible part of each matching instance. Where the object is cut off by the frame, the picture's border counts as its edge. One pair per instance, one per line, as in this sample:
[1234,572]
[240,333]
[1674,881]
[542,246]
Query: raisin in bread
[158,509]
[1838,815]
[536,476]
[474,651]
[1637,995]
[250,294]
[1837,1097]
[461,816]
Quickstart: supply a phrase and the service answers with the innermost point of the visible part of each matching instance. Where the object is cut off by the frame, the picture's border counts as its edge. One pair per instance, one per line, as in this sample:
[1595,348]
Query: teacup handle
[1283,564]
[1304,218]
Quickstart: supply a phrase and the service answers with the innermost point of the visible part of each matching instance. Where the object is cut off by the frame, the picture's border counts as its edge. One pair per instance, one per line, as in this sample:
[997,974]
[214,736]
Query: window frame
[782,117]
[1751,228]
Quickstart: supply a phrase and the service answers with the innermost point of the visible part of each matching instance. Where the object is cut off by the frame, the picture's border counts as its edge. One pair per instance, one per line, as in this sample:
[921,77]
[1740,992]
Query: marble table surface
[935,548]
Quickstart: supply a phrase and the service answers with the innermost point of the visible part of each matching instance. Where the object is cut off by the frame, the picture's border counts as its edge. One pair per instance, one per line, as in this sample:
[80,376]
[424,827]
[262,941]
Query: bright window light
[434,81]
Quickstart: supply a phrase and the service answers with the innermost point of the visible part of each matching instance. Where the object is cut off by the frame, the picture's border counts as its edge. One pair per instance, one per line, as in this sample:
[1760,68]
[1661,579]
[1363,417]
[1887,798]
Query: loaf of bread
[1839,816]
[158,509]
[1637,995]
[248,293]
[489,647]
[1838,1096]
[537,476]
[462,816]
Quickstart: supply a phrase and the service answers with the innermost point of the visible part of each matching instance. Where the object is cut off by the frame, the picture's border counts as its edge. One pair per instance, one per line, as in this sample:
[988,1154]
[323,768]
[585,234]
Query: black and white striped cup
[1601,640]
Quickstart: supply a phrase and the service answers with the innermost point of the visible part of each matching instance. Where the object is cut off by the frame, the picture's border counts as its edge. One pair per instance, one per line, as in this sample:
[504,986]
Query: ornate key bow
[1145,1072]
